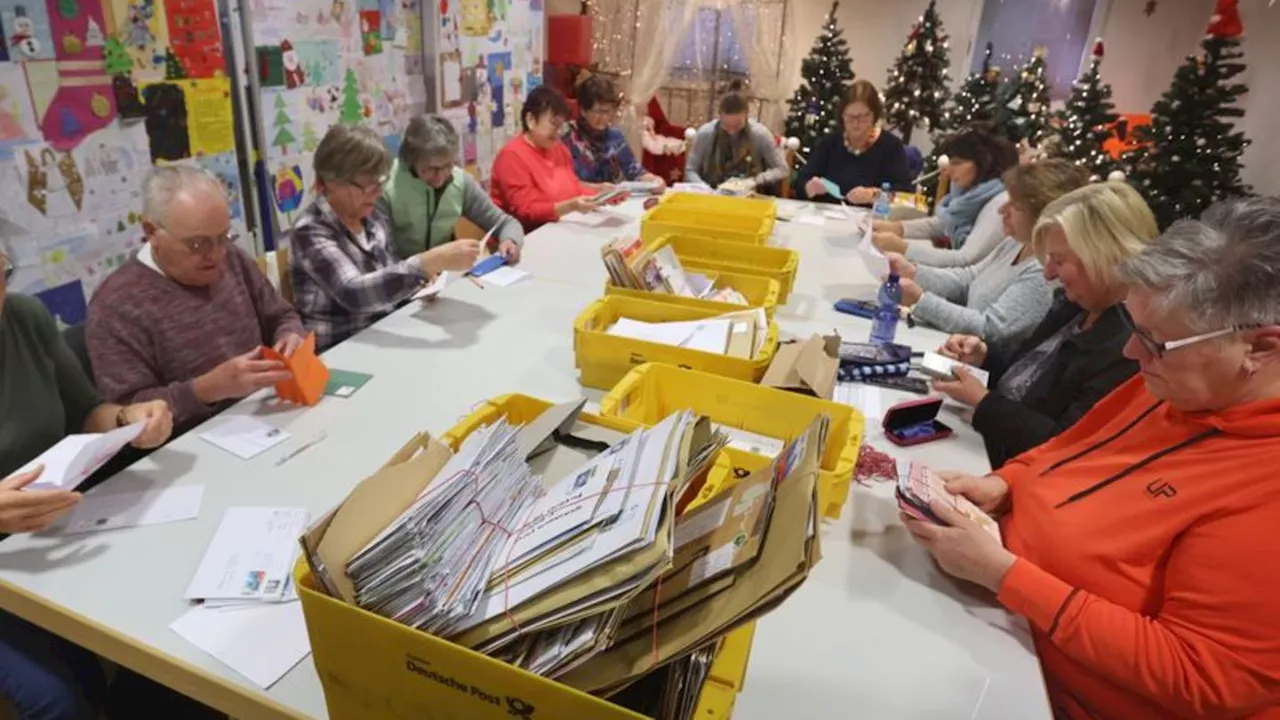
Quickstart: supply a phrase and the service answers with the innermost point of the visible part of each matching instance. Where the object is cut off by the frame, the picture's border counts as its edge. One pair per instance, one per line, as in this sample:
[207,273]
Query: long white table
[875,621]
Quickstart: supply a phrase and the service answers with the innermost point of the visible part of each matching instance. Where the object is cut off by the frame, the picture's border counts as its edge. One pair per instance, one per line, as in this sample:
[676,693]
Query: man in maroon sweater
[185,320]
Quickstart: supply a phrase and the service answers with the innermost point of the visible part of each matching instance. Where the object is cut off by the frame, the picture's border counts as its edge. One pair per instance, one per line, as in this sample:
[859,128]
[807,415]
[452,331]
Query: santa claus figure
[294,75]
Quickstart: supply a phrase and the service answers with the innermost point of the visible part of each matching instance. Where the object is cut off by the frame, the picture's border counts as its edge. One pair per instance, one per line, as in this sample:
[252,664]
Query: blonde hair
[1035,185]
[1105,224]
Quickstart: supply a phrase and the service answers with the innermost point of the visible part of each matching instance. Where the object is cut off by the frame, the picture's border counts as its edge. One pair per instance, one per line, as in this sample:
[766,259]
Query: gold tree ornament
[72,179]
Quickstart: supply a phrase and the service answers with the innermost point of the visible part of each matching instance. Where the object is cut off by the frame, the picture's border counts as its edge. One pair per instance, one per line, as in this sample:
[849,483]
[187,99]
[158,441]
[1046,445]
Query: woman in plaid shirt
[345,275]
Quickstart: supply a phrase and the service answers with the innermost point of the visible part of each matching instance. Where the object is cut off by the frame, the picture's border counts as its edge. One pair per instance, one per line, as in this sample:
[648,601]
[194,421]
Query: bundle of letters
[555,546]
[632,264]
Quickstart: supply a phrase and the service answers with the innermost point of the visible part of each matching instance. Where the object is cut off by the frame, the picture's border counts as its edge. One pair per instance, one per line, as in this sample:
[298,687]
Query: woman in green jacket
[426,193]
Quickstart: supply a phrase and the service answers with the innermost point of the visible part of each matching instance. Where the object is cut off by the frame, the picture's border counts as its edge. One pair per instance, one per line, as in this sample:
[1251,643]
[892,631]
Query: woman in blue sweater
[860,158]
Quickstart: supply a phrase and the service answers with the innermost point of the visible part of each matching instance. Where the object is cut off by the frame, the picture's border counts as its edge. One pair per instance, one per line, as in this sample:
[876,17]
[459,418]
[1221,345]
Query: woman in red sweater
[533,178]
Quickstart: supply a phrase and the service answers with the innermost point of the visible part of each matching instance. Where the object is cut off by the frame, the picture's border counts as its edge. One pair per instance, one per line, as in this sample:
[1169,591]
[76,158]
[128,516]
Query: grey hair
[1220,271]
[163,184]
[348,152]
[428,137]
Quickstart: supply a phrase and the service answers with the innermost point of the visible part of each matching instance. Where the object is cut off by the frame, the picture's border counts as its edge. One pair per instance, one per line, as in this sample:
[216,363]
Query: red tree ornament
[1097,48]
[1225,21]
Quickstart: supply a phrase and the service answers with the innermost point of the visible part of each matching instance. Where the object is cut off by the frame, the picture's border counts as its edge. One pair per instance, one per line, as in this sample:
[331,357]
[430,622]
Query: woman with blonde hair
[1075,357]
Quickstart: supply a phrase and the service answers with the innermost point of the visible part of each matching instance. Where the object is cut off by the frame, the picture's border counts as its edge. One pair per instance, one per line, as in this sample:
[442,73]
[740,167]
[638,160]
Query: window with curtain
[1016,27]
[711,47]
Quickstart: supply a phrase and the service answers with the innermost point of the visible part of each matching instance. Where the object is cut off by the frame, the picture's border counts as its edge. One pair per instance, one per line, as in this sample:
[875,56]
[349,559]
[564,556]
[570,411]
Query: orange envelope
[310,376]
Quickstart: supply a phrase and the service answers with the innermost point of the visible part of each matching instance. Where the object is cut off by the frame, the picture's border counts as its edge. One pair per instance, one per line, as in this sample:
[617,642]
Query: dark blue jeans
[46,677]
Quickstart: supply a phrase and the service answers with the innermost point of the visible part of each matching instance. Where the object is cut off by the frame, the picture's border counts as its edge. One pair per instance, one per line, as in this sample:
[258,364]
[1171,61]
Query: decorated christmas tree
[352,111]
[916,94]
[1189,157]
[812,110]
[1086,121]
[976,100]
[173,69]
[284,136]
[1022,110]
[309,140]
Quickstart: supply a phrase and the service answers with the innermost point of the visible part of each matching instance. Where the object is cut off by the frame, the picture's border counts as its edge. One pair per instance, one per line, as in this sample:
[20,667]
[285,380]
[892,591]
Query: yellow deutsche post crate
[603,359]
[651,392]
[775,263]
[741,220]
[759,291]
[373,668]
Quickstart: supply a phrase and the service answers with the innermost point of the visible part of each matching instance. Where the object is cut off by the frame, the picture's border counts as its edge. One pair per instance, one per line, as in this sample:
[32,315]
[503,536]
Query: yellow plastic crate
[373,668]
[759,291]
[775,263]
[741,220]
[604,359]
[651,392]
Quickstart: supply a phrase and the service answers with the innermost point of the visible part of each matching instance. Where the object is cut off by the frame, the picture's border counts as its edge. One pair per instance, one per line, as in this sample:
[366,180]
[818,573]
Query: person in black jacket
[1074,357]
[859,158]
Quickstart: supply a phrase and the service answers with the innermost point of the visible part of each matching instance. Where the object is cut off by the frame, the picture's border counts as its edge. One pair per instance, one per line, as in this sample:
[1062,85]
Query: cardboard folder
[310,375]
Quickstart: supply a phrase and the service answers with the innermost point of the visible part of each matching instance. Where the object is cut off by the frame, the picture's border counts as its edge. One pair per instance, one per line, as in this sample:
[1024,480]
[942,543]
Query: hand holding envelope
[31,510]
[308,374]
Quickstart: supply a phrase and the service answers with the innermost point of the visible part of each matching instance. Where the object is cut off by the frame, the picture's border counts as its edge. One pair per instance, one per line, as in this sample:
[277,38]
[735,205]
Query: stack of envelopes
[554,546]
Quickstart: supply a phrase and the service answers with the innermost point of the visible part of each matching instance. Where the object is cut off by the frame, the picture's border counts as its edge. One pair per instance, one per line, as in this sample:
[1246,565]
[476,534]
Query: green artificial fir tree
[173,69]
[976,100]
[1189,157]
[1087,121]
[352,111]
[916,94]
[1022,110]
[812,110]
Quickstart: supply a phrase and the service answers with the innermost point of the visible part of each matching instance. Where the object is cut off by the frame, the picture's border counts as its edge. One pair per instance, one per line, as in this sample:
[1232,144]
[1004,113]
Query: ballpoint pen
[302,448]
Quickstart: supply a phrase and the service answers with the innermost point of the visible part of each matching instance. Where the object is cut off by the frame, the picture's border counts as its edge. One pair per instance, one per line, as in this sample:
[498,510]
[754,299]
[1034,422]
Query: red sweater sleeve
[516,192]
[1201,654]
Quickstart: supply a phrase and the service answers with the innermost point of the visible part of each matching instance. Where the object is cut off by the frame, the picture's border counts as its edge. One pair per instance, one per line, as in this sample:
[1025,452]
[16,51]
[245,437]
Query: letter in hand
[458,256]
[23,510]
[288,344]
[245,374]
[961,546]
[965,389]
[968,349]
[159,422]
[815,188]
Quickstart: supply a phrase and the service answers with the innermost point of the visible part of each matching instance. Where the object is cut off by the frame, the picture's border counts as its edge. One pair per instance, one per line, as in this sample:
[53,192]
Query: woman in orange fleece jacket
[1141,544]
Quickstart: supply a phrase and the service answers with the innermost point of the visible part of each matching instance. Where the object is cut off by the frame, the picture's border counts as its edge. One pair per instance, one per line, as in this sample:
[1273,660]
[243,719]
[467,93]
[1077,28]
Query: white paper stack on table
[632,264]
[75,457]
[739,334]
[250,617]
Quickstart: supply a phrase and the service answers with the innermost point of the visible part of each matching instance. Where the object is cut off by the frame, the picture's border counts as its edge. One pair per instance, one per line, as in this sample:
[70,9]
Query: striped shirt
[343,282]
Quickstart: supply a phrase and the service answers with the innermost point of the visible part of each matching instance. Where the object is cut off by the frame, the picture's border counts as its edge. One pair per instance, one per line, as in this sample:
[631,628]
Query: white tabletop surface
[873,623]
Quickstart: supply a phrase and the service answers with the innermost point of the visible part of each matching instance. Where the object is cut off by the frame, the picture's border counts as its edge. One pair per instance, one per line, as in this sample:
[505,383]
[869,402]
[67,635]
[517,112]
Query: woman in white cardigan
[969,216]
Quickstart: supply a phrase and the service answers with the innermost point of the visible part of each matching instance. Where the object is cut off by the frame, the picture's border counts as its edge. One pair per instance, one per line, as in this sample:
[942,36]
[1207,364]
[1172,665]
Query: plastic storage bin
[373,668]
[729,257]
[740,220]
[604,359]
[759,291]
[651,392]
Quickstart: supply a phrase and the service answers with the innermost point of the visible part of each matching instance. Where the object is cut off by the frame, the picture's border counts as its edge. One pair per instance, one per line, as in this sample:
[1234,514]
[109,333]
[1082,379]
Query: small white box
[940,367]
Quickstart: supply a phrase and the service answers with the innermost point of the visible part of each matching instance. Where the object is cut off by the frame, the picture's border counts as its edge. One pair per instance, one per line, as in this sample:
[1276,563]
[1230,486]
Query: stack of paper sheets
[632,264]
[250,617]
[738,334]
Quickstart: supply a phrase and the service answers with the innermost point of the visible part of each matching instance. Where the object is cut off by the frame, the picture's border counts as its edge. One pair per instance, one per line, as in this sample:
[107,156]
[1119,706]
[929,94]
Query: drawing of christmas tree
[93,34]
[284,137]
[352,110]
[173,66]
[117,57]
[309,140]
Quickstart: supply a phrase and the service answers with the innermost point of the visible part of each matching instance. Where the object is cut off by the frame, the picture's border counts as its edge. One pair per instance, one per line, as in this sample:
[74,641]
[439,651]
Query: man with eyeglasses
[186,319]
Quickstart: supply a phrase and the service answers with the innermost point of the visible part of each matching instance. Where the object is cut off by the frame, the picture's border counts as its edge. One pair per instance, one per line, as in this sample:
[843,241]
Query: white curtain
[758,25]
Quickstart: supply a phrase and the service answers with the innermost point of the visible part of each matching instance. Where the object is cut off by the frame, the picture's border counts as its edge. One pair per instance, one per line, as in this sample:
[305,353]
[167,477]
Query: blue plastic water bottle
[884,327]
[881,209]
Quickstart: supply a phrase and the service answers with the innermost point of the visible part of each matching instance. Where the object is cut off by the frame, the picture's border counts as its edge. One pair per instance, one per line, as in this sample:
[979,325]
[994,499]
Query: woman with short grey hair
[345,275]
[1140,542]
[426,194]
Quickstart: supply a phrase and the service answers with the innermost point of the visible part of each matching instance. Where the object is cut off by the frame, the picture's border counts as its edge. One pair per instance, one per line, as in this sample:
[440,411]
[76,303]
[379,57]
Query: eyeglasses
[435,169]
[206,244]
[368,188]
[1158,349]
[859,118]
